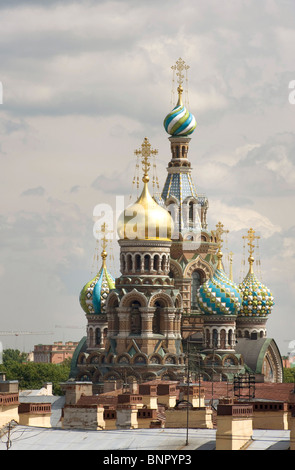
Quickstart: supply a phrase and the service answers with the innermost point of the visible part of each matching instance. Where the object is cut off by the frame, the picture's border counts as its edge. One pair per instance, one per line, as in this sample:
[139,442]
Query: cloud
[38,191]
[85,82]
[236,219]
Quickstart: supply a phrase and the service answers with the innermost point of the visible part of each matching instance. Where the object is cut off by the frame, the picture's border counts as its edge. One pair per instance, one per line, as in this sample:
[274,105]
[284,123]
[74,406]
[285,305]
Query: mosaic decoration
[179,185]
[257,300]
[219,295]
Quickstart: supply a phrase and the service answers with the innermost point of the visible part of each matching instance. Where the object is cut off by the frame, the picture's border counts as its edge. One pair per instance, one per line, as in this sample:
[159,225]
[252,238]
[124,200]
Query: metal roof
[34,438]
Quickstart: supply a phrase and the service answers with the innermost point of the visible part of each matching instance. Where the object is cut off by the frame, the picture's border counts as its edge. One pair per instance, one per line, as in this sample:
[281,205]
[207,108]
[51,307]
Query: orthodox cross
[104,240]
[180,66]
[251,237]
[219,232]
[146,153]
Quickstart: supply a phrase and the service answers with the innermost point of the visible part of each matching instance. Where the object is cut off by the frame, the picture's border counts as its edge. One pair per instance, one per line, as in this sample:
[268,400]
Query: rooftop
[32,438]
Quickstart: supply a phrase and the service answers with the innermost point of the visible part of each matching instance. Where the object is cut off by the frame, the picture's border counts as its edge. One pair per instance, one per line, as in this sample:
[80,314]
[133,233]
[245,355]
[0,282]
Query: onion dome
[180,122]
[257,300]
[219,295]
[94,294]
[145,219]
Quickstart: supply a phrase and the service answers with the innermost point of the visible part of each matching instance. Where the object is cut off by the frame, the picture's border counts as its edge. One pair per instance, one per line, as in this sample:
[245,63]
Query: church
[174,312]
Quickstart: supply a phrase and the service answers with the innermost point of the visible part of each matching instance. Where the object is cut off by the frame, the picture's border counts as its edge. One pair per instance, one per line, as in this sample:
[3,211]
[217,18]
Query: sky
[83,84]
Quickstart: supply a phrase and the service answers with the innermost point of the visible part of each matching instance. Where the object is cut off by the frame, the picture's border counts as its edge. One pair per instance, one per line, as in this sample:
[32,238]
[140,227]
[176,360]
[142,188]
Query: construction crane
[70,326]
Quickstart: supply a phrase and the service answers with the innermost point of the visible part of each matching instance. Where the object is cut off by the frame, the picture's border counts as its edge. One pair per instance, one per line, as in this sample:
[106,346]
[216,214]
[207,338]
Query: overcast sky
[83,84]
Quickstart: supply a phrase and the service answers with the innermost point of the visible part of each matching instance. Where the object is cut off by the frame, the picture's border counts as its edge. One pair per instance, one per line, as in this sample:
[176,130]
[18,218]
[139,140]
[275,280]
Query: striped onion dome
[180,122]
[257,300]
[94,294]
[219,295]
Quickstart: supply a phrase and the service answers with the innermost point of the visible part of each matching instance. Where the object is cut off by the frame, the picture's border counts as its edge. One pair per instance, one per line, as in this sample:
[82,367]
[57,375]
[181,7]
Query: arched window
[207,338]
[135,318]
[97,336]
[191,213]
[230,337]
[137,263]
[223,339]
[123,263]
[157,318]
[146,262]
[156,262]
[90,336]
[196,282]
[215,338]
[105,335]
[129,263]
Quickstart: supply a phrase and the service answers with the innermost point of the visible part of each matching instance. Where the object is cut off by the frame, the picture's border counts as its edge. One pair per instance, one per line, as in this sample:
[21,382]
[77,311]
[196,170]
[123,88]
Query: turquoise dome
[219,295]
[94,294]
[257,300]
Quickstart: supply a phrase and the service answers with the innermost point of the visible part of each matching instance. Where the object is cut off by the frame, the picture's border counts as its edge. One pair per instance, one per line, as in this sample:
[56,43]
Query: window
[135,318]
[146,263]
[196,282]
[97,336]
[157,318]
[137,263]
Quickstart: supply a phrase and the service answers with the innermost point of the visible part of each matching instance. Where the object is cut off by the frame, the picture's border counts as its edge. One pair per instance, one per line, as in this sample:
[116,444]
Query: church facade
[174,307]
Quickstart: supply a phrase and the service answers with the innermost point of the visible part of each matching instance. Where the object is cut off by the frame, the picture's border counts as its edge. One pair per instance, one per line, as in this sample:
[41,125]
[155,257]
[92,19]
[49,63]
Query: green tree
[33,375]
[14,355]
[289,375]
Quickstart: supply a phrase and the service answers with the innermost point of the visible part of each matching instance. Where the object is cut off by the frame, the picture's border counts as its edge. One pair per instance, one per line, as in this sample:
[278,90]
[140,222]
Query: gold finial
[251,237]
[146,152]
[180,66]
[219,232]
[104,242]
[231,277]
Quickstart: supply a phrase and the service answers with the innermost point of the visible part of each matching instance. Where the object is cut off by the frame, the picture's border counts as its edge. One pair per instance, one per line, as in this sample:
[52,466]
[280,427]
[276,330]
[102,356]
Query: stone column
[147,315]
[169,313]
[178,325]
[124,322]
[147,335]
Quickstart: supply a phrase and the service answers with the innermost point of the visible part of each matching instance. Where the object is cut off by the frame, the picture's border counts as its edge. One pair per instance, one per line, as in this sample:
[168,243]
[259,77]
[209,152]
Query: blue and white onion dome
[180,122]
[219,295]
[94,294]
[257,300]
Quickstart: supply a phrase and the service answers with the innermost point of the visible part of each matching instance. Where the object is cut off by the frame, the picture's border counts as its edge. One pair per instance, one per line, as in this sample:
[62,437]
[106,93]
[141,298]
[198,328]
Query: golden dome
[145,220]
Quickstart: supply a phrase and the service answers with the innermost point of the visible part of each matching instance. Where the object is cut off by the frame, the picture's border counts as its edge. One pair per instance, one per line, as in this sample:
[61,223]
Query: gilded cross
[180,66]
[146,153]
[219,232]
[251,237]
[104,240]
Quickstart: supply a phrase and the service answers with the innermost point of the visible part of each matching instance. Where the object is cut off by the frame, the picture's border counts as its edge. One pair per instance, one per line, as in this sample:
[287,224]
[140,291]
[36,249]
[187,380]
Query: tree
[33,375]
[289,375]
[14,355]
